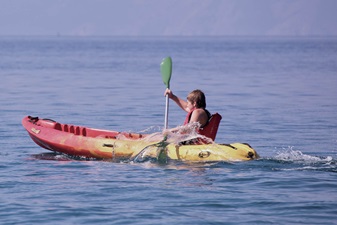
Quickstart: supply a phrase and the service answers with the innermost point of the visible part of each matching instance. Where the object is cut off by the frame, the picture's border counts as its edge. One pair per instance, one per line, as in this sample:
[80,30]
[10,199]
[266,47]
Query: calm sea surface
[277,94]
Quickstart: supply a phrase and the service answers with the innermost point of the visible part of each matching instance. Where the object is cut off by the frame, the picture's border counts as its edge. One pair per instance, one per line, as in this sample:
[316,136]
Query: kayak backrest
[211,129]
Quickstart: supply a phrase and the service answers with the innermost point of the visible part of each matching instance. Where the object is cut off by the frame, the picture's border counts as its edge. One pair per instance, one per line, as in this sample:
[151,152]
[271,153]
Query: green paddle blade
[166,70]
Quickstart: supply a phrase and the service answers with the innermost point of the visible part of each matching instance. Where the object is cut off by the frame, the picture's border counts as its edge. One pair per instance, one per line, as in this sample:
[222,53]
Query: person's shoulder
[199,111]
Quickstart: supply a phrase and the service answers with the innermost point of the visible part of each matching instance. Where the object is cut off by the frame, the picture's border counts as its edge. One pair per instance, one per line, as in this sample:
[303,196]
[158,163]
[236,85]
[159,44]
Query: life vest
[211,128]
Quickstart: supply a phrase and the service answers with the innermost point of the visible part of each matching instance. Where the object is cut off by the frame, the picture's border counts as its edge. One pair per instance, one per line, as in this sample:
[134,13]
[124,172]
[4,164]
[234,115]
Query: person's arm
[180,102]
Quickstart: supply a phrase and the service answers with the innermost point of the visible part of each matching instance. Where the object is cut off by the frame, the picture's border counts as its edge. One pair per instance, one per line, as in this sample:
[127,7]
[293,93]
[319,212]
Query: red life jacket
[211,128]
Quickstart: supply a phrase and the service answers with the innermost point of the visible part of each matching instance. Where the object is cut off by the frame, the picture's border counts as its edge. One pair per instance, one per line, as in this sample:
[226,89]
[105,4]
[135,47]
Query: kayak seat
[211,129]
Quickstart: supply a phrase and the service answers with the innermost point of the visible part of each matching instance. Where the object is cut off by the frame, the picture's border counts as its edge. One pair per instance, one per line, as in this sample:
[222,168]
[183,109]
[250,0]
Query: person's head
[197,98]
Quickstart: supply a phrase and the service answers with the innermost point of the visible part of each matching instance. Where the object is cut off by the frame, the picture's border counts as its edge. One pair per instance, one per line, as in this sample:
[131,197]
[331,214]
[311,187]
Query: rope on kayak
[229,145]
[49,120]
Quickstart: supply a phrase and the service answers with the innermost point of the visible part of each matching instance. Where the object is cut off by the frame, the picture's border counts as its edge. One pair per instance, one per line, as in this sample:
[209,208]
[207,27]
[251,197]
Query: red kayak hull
[71,139]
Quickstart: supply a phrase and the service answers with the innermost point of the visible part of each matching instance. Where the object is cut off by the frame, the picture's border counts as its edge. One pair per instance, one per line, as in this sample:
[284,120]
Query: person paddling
[195,106]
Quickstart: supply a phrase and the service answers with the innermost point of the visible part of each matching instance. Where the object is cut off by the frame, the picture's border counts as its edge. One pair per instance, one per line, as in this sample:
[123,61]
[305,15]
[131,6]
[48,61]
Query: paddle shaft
[166,112]
[166,71]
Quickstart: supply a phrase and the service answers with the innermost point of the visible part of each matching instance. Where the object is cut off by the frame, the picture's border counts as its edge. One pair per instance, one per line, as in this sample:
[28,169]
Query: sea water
[277,94]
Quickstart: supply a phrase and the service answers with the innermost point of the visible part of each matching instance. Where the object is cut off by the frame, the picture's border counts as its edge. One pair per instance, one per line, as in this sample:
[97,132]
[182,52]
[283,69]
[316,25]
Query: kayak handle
[108,145]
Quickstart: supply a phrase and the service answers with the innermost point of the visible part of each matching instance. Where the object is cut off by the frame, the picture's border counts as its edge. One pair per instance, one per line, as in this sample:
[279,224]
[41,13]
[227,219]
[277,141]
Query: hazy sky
[168,17]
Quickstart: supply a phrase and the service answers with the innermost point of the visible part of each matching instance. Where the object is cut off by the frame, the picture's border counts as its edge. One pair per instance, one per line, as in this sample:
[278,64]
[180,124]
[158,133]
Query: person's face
[190,105]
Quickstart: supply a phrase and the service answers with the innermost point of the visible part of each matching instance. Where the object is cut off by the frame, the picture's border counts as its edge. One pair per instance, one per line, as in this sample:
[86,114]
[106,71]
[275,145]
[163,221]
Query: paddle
[161,152]
[166,71]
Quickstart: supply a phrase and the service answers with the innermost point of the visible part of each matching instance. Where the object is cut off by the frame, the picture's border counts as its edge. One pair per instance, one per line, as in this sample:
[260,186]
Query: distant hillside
[169,17]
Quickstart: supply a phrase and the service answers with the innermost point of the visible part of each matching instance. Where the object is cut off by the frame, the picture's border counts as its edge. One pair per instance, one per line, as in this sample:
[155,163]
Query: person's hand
[168,92]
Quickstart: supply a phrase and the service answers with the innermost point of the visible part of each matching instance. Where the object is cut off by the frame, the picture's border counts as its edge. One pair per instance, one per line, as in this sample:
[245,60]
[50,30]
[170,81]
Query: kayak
[120,146]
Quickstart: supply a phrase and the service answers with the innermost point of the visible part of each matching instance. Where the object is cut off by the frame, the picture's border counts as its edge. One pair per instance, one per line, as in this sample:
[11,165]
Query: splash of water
[291,155]
[181,134]
[185,133]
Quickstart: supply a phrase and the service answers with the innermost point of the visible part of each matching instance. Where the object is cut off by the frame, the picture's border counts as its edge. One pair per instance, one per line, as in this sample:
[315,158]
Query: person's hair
[198,97]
